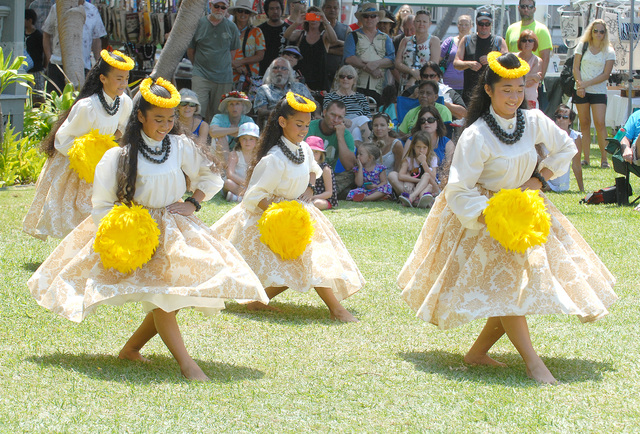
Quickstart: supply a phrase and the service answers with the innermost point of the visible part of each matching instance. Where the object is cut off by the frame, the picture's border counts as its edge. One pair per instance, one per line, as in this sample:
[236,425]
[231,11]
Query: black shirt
[274,42]
[33,43]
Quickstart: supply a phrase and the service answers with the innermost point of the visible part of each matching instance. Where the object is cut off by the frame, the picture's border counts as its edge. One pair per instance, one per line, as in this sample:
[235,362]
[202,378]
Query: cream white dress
[326,261]
[192,266]
[458,273]
[63,200]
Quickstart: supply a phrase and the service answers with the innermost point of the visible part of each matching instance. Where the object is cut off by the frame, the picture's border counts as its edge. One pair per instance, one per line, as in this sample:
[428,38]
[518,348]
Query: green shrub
[39,120]
[20,159]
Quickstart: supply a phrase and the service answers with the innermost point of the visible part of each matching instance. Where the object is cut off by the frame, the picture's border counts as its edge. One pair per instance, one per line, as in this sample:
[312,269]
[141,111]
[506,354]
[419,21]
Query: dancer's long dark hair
[272,131]
[128,161]
[91,86]
[480,100]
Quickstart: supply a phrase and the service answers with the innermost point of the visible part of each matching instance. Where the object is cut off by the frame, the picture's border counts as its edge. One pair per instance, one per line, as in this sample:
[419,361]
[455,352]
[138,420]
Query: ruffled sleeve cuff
[104,185]
[75,125]
[198,168]
[560,146]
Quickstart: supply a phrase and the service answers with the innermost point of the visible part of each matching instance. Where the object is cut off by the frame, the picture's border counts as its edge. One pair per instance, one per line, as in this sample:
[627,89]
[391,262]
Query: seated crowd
[391,98]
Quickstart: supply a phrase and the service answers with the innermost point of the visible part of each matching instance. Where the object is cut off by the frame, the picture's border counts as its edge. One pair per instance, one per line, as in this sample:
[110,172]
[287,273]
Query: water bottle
[620,134]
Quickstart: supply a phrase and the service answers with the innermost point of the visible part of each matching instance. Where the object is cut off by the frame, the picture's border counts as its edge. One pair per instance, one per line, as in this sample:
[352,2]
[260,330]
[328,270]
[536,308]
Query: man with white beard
[278,80]
[210,52]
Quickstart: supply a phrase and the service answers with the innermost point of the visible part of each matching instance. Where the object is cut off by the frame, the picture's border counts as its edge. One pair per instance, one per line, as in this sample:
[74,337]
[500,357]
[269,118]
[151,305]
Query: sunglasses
[602,32]
[484,23]
[190,104]
[348,77]
[526,7]
[429,76]
[562,117]
[369,16]
[524,41]
[430,120]
[219,6]
[243,11]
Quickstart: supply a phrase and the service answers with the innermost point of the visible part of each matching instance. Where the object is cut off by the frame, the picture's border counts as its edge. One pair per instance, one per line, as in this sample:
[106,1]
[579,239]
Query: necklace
[298,159]
[111,110]
[147,152]
[501,134]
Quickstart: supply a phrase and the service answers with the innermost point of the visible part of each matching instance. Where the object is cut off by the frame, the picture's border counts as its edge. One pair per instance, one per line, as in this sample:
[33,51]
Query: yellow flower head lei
[126,65]
[503,72]
[307,106]
[158,101]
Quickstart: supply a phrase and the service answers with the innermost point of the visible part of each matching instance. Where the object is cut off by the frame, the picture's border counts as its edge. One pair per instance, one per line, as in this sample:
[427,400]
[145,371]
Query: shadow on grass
[451,365]
[31,266]
[161,369]
[290,313]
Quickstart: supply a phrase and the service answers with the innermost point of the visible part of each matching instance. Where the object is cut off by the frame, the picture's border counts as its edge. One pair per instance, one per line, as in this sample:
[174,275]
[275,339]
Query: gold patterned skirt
[192,267]
[62,200]
[456,275]
[325,263]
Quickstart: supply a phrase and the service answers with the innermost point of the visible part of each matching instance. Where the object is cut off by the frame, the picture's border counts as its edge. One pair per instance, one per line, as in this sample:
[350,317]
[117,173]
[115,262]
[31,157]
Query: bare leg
[396,184]
[518,332]
[336,310]
[378,195]
[271,291]
[598,112]
[232,187]
[167,327]
[131,350]
[321,204]
[489,335]
[577,171]
[585,127]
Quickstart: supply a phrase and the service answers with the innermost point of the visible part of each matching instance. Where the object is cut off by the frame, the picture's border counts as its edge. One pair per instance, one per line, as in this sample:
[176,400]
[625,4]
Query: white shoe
[426,201]
[231,197]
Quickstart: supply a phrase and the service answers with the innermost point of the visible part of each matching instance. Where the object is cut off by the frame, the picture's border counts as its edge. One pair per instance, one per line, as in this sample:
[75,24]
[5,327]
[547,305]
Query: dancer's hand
[182,208]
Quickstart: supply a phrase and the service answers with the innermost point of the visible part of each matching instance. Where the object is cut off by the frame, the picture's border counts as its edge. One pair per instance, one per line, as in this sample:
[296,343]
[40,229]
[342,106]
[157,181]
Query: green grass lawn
[297,371]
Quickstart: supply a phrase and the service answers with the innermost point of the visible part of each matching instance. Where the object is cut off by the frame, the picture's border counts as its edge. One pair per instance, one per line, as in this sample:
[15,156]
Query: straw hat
[234,96]
[366,8]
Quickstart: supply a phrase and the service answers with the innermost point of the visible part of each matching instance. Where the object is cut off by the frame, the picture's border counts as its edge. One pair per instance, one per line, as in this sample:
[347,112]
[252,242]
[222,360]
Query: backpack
[567,81]
[604,195]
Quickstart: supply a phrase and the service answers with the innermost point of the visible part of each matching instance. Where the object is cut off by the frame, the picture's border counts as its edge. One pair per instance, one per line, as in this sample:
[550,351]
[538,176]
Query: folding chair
[623,187]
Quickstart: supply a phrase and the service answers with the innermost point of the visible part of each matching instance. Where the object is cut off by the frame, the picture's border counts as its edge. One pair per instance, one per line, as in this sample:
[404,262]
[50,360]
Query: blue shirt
[222,121]
[633,127]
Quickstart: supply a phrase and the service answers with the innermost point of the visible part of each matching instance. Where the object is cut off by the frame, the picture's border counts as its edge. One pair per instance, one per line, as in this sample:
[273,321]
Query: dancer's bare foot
[343,315]
[258,305]
[482,359]
[193,372]
[541,373]
[131,354]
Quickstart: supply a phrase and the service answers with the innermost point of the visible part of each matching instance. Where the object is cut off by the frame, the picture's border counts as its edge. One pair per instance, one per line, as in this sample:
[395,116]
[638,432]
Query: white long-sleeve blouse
[88,114]
[480,159]
[277,176]
[157,185]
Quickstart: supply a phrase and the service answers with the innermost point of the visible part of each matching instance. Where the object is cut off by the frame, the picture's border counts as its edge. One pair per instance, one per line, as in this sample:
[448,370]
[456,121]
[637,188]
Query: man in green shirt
[527,9]
[338,145]
[427,95]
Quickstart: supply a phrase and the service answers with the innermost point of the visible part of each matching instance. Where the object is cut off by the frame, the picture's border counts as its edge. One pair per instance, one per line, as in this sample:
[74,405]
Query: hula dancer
[62,199]
[142,183]
[284,170]
[458,272]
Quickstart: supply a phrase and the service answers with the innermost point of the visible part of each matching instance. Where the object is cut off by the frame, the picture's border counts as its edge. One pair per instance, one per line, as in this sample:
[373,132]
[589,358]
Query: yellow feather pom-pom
[517,219]
[86,152]
[127,238]
[286,228]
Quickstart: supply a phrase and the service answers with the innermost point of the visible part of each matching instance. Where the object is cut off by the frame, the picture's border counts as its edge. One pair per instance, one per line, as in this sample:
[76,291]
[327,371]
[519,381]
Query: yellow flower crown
[127,65]
[503,72]
[156,100]
[307,106]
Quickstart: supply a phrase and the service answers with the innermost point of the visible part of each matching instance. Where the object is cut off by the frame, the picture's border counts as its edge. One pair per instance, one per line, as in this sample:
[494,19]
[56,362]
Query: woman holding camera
[313,40]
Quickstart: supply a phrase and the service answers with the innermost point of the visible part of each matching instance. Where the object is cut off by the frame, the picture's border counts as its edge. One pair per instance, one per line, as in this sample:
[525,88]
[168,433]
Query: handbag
[445,60]
[567,80]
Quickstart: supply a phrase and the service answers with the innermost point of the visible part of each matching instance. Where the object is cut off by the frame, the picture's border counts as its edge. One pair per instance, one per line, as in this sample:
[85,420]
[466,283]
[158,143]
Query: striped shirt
[357,104]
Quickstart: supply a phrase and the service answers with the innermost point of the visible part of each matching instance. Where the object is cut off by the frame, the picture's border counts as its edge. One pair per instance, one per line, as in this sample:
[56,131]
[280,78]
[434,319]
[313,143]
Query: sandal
[405,201]
[605,165]
[584,163]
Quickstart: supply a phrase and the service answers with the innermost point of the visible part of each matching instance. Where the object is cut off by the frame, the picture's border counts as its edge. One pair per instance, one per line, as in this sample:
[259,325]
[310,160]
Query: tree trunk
[445,22]
[71,19]
[179,38]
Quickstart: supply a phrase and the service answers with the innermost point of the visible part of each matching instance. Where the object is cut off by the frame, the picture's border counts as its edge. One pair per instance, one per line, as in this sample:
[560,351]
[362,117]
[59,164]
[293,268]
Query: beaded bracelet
[540,178]
[194,202]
